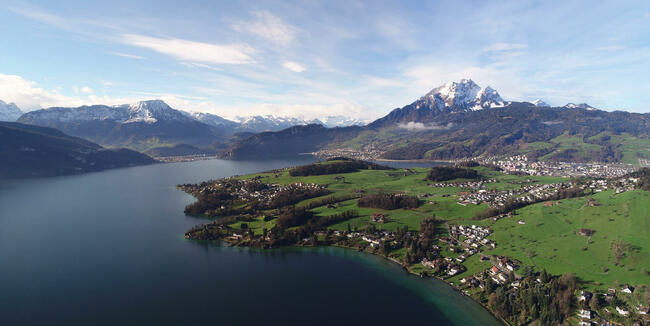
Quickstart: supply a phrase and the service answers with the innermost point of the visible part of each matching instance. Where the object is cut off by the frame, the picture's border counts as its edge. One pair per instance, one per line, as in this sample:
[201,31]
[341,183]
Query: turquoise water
[107,248]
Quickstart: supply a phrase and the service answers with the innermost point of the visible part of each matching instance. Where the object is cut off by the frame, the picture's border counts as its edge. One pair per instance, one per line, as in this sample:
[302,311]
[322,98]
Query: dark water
[107,249]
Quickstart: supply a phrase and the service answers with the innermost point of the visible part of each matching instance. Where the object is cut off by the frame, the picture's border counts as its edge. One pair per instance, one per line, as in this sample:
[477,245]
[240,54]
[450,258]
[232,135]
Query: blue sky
[319,58]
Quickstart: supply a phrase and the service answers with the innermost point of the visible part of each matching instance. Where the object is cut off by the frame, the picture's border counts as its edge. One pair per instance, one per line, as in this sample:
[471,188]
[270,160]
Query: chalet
[585,314]
[627,289]
[585,296]
[377,218]
[494,270]
[586,232]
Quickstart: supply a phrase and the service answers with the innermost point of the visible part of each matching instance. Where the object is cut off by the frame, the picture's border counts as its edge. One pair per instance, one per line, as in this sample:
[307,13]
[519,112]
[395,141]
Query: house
[494,270]
[521,222]
[378,218]
[452,271]
[585,296]
[583,313]
[622,311]
[627,289]
[644,310]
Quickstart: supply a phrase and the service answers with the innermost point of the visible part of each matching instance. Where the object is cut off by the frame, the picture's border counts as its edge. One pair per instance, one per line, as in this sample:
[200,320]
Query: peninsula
[566,247]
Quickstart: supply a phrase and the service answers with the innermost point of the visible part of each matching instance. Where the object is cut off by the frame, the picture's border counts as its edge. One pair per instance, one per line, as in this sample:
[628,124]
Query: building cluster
[521,164]
[469,239]
[528,193]
[470,184]
[614,304]
[369,153]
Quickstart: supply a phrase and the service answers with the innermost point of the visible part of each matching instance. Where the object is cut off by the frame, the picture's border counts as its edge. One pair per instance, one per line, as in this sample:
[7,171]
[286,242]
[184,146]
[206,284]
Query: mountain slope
[290,141]
[32,151]
[9,112]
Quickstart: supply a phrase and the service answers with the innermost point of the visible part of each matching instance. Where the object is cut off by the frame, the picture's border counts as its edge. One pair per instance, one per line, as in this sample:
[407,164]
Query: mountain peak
[579,106]
[463,95]
[9,111]
[540,104]
[150,111]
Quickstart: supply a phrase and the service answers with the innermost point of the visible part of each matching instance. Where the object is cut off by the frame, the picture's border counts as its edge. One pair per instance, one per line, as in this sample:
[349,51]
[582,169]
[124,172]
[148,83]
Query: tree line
[335,166]
[388,201]
[444,173]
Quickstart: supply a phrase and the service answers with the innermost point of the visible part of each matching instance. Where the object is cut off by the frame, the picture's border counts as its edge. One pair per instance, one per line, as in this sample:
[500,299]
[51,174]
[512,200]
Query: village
[521,164]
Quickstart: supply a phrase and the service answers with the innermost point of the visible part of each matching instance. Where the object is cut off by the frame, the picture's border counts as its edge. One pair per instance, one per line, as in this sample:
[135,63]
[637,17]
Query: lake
[107,248]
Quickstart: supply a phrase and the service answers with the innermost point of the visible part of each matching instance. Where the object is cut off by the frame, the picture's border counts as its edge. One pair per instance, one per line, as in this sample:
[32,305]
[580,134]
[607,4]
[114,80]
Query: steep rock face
[9,112]
[33,151]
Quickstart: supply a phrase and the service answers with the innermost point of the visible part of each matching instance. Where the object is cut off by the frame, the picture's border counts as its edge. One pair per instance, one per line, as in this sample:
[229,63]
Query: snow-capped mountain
[463,95]
[540,104]
[212,119]
[9,112]
[138,125]
[579,106]
[341,121]
[259,123]
[152,111]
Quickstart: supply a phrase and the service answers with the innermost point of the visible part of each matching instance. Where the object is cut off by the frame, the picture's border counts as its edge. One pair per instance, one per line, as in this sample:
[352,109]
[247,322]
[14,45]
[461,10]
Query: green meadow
[618,251]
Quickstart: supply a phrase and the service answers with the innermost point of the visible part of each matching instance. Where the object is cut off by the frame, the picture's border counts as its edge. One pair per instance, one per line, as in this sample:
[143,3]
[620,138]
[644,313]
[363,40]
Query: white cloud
[269,27]
[127,55]
[193,51]
[610,48]
[505,47]
[419,126]
[200,65]
[294,66]
[27,95]
[87,90]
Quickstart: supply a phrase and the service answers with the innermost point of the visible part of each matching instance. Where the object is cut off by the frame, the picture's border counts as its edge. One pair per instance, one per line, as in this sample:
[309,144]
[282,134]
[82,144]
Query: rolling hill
[33,151]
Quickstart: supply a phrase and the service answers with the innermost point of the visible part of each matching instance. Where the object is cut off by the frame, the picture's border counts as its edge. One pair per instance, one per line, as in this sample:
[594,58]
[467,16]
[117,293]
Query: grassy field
[548,239]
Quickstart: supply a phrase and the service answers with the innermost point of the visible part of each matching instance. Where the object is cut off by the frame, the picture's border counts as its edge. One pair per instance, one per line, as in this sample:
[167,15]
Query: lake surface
[107,248]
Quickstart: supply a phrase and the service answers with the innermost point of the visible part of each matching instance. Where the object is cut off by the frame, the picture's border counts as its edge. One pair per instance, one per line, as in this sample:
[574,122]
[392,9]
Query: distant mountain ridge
[147,124]
[462,120]
[33,151]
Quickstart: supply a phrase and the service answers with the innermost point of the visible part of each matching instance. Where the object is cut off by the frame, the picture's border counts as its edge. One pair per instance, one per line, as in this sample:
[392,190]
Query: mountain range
[150,124]
[462,120]
[455,120]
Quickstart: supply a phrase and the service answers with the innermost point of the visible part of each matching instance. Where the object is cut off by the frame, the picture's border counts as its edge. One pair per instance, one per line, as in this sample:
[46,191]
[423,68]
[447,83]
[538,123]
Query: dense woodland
[444,173]
[337,165]
[389,201]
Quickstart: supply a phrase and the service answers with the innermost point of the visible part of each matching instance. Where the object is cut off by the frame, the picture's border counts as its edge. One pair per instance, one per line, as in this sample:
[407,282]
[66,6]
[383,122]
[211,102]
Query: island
[567,246]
